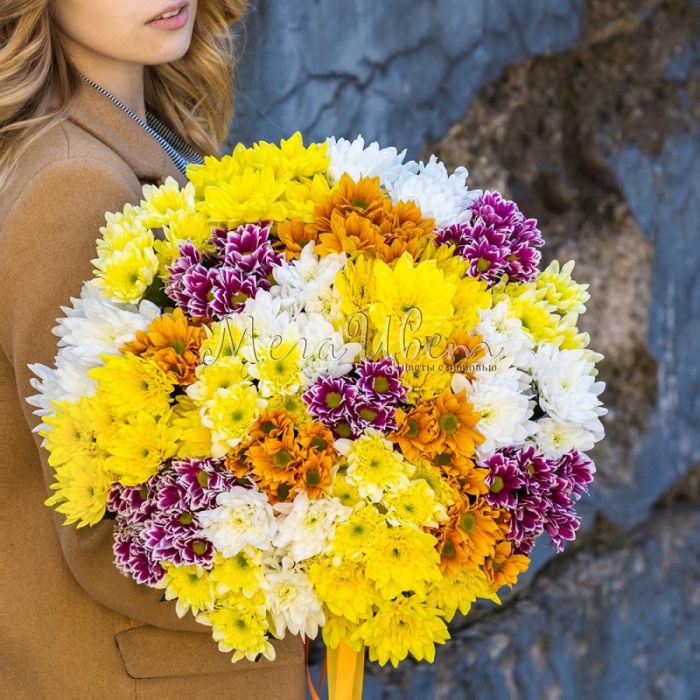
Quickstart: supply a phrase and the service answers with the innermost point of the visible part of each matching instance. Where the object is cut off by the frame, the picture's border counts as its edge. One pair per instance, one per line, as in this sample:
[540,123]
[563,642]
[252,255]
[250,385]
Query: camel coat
[73,626]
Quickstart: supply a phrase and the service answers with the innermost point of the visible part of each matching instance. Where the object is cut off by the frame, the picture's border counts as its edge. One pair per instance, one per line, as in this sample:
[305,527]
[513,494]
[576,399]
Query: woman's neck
[122,79]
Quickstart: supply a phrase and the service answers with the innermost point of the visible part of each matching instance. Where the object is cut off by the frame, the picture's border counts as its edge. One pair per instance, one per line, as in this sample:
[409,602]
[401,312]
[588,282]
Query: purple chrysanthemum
[369,413]
[218,285]
[158,521]
[380,381]
[538,492]
[248,249]
[498,240]
[504,480]
[577,471]
[133,558]
[230,289]
[330,399]
[201,481]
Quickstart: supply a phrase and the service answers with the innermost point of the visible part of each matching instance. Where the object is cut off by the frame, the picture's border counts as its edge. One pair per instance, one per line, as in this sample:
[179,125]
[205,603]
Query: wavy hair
[194,94]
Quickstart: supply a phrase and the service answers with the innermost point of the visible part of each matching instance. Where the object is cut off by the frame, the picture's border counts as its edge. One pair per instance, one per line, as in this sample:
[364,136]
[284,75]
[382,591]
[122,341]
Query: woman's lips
[175,22]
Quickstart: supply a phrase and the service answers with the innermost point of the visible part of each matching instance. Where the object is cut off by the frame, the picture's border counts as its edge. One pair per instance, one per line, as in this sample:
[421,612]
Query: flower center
[333,399]
[468,522]
[497,484]
[449,423]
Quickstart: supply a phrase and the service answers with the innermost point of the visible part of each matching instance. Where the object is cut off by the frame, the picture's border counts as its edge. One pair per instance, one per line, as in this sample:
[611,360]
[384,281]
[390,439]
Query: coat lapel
[99,116]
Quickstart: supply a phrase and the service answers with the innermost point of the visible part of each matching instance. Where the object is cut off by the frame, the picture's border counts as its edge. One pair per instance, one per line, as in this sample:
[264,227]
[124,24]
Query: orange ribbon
[345,669]
[345,672]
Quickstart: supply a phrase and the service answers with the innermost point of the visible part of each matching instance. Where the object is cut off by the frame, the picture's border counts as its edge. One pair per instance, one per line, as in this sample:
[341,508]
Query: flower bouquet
[320,387]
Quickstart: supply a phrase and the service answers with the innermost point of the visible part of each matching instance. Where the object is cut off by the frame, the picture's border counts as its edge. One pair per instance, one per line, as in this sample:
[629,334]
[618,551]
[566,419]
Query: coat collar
[99,116]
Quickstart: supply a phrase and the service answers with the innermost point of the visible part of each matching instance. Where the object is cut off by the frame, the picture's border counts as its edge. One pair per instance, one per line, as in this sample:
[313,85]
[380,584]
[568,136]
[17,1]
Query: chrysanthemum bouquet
[321,387]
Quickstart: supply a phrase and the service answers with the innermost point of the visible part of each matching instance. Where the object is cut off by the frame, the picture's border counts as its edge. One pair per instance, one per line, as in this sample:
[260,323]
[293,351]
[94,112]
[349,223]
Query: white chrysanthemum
[358,161]
[306,527]
[505,411]
[306,284]
[567,388]
[67,381]
[325,351]
[292,603]
[555,438]
[94,324]
[263,316]
[504,336]
[440,195]
[242,517]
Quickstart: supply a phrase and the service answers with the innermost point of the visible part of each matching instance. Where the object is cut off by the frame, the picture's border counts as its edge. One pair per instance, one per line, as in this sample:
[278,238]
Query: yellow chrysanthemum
[425,376]
[445,494]
[215,170]
[472,295]
[337,629]
[139,446]
[278,368]
[559,290]
[411,300]
[292,404]
[180,227]
[222,374]
[344,588]
[459,590]
[302,197]
[229,414]
[159,203]
[414,503]
[374,465]
[81,488]
[344,491]
[121,231]
[194,439]
[354,538]
[251,196]
[402,626]
[242,573]
[73,429]
[240,626]
[191,587]
[291,158]
[129,384]
[403,558]
[124,275]
[225,339]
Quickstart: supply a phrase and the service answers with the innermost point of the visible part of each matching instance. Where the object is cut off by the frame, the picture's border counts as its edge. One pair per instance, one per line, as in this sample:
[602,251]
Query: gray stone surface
[396,70]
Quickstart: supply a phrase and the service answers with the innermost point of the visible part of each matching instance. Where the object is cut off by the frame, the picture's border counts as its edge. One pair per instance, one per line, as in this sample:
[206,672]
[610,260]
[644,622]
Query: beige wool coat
[73,626]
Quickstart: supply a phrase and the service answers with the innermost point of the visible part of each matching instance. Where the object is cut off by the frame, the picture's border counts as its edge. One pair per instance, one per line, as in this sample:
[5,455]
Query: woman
[86,90]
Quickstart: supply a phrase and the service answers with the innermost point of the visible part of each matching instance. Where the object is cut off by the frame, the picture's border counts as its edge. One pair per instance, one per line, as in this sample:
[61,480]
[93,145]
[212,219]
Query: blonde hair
[194,94]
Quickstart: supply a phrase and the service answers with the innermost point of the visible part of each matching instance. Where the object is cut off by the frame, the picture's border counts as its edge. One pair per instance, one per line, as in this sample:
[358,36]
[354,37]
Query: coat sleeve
[46,243]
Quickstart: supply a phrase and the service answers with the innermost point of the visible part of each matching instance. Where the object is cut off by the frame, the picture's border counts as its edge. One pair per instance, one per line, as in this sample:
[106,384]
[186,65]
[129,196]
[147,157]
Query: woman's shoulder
[64,163]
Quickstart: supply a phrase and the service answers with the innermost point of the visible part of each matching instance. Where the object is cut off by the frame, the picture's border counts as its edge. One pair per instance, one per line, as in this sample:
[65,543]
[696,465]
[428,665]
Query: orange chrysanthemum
[462,351]
[365,197]
[457,420]
[320,458]
[504,567]
[402,229]
[173,342]
[442,430]
[349,234]
[470,536]
[283,457]
[360,216]
[293,236]
[418,433]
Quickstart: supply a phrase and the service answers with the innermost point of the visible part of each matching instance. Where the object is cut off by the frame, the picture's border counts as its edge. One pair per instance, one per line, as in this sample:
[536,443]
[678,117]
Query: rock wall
[587,112]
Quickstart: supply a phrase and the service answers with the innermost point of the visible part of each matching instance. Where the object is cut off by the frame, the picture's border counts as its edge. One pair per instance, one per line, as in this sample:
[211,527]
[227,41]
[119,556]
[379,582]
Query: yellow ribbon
[345,672]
